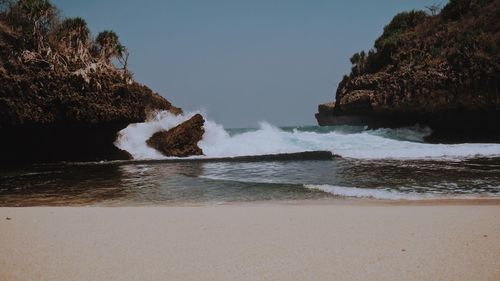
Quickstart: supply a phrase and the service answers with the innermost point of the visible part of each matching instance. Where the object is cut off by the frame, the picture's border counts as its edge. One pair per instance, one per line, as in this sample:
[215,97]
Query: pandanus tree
[74,33]
[34,17]
[109,47]
[39,12]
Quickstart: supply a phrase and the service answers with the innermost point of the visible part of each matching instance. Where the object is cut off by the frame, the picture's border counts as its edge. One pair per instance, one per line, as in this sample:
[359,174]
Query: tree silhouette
[434,9]
[109,45]
[39,12]
[358,61]
[74,32]
[34,18]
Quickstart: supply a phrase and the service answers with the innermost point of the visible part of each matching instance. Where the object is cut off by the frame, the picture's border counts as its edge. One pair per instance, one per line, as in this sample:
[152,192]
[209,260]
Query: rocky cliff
[62,95]
[440,69]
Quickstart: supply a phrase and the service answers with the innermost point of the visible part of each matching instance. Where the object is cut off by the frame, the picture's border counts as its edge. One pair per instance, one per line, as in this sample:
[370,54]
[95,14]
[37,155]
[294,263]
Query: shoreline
[263,241]
[356,202]
[338,201]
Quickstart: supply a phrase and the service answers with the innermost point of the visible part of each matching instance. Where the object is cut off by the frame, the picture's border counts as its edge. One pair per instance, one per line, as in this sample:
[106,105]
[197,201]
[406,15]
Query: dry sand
[252,242]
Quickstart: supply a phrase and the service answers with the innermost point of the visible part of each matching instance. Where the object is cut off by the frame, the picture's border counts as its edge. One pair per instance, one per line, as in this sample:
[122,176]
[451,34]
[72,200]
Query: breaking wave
[387,194]
[403,143]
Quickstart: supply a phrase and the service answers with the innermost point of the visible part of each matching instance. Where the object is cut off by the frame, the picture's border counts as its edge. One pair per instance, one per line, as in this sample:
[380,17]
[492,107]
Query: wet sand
[252,242]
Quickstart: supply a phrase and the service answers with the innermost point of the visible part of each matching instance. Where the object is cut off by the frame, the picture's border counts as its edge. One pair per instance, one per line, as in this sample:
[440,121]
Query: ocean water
[389,164]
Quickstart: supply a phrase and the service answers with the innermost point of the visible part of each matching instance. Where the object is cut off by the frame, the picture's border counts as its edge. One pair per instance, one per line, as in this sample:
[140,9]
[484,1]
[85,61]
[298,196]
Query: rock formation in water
[439,69]
[62,95]
[180,141]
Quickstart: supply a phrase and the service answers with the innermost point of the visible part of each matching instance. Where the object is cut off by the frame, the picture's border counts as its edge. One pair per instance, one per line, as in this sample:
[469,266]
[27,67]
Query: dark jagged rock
[180,141]
[63,103]
[442,71]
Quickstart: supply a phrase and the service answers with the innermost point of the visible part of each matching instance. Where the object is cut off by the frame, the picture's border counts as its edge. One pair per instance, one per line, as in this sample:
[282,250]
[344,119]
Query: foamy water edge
[403,143]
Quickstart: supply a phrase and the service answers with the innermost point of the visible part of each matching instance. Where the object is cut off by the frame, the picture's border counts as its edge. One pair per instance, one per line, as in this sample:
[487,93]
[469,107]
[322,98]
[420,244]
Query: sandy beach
[252,242]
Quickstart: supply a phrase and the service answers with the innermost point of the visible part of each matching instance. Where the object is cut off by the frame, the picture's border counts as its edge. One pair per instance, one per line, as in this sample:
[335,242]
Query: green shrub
[390,41]
[401,23]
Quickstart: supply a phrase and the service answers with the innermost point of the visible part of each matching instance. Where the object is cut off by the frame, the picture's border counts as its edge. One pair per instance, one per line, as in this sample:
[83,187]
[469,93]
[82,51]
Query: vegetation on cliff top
[52,70]
[65,43]
[442,62]
[414,36]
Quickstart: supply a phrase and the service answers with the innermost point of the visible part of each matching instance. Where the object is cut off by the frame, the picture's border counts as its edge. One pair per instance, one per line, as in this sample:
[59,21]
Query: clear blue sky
[242,61]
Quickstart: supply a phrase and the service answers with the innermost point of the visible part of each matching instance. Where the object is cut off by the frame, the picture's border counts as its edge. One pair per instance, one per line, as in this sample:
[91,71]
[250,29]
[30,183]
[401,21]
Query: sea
[265,164]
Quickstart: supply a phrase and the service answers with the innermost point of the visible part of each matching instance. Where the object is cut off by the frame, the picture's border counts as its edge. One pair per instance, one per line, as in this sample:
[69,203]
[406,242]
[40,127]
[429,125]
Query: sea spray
[403,143]
[267,139]
[133,138]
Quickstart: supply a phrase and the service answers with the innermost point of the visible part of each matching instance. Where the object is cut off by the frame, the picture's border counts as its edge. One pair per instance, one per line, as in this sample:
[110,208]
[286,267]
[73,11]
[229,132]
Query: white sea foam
[268,139]
[367,192]
[133,138]
[386,194]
